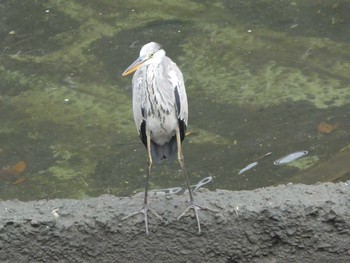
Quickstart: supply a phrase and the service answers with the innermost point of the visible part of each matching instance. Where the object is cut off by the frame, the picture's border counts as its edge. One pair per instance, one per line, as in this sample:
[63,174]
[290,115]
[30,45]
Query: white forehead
[150,48]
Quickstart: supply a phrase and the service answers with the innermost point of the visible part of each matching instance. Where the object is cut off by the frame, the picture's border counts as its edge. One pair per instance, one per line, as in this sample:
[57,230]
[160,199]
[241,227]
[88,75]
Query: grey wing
[177,81]
[179,93]
[138,102]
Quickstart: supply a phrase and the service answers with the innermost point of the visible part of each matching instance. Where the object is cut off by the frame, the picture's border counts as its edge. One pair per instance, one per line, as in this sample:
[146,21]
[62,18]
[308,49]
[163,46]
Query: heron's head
[150,53]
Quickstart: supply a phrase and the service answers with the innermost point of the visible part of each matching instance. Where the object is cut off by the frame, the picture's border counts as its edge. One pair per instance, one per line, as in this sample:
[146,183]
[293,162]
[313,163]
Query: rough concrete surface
[287,223]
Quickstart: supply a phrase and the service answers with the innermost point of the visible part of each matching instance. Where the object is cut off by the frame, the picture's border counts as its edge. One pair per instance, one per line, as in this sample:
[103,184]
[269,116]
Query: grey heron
[160,112]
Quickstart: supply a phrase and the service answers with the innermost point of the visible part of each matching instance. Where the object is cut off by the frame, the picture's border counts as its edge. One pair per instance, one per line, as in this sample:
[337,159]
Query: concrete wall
[288,223]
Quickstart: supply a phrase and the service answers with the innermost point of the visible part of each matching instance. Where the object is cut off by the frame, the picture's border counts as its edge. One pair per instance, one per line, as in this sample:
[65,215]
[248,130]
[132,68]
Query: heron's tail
[166,151]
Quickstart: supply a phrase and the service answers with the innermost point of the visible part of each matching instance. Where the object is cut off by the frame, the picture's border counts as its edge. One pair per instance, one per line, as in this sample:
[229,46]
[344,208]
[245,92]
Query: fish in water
[248,167]
[290,157]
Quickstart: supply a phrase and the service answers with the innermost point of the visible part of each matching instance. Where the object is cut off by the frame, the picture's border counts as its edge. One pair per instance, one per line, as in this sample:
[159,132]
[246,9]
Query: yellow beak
[134,66]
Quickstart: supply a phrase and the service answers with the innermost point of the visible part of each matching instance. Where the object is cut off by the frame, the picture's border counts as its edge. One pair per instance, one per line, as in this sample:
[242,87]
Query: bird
[160,111]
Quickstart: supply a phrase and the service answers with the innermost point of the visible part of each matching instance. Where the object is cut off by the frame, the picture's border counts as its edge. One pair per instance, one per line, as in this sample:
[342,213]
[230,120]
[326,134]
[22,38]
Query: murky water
[261,77]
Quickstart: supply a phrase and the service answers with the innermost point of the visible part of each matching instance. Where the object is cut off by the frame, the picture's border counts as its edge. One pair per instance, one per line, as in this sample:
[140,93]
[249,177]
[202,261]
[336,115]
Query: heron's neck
[156,59]
[158,56]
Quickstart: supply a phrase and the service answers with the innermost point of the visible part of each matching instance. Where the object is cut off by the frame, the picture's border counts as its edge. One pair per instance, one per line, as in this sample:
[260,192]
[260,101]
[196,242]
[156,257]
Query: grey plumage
[160,112]
[159,103]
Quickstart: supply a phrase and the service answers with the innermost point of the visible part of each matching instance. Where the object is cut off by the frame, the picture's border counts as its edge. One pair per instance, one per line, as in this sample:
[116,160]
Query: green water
[260,76]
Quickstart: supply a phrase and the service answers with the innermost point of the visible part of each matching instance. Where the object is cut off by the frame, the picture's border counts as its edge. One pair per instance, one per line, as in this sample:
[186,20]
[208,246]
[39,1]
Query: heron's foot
[195,208]
[144,210]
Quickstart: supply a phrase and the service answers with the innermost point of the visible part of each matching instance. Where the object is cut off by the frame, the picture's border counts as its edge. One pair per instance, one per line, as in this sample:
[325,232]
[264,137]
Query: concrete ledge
[287,223]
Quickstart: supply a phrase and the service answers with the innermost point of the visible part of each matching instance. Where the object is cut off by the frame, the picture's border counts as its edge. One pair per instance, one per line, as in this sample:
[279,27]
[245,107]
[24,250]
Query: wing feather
[179,91]
[139,108]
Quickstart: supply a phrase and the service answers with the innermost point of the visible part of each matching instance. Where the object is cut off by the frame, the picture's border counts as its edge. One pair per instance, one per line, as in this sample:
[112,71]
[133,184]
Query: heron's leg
[192,205]
[149,163]
[145,208]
